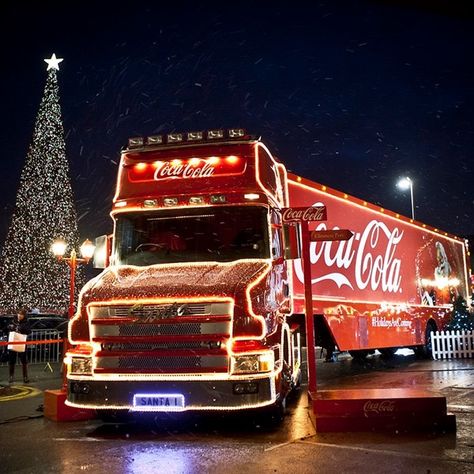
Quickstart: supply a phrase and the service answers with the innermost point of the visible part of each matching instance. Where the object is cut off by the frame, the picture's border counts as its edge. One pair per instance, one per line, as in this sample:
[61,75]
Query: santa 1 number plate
[158,402]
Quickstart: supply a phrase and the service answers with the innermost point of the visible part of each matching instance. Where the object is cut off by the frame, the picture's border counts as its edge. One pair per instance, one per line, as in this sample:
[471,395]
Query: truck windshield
[220,234]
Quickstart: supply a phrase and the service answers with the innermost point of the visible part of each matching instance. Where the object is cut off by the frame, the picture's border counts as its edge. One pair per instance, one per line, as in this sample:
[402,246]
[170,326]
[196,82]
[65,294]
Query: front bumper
[198,394]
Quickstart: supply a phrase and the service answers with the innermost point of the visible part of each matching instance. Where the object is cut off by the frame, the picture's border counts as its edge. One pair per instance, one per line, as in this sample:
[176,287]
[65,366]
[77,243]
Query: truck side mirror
[291,238]
[103,247]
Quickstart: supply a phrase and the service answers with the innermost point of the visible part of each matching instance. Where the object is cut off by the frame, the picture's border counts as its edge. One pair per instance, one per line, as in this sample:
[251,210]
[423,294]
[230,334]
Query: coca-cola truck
[198,304]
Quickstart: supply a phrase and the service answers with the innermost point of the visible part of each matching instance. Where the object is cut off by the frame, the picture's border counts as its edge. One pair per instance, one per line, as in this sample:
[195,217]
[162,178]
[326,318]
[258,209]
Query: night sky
[353,95]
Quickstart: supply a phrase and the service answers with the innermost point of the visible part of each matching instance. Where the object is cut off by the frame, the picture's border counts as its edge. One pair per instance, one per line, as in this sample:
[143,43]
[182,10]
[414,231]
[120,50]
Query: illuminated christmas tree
[44,210]
[461,319]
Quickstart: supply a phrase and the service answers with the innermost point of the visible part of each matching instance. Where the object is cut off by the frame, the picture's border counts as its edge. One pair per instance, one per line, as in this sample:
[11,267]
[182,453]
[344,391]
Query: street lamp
[87,251]
[407,183]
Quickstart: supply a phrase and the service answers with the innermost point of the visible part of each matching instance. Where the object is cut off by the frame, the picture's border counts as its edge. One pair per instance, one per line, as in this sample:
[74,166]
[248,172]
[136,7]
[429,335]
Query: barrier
[452,344]
[43,346]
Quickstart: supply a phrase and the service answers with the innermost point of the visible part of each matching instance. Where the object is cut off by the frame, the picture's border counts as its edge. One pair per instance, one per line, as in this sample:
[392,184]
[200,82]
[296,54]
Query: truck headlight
[81,366]
[253,363]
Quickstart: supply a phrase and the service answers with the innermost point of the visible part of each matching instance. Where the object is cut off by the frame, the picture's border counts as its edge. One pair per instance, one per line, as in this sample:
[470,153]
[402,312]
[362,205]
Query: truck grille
[159,329]
[161,339]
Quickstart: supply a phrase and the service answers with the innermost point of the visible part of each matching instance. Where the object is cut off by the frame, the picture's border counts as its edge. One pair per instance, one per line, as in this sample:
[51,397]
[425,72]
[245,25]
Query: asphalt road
[242,444]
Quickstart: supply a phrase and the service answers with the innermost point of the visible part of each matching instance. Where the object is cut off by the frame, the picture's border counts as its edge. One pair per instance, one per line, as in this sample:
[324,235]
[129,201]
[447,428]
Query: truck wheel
[359,355]
[114,416]
[272,416]
[387,352]
[425,351]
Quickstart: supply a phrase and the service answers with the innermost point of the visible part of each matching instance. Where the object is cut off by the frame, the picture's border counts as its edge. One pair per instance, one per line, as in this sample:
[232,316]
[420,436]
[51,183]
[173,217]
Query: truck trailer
[201,300]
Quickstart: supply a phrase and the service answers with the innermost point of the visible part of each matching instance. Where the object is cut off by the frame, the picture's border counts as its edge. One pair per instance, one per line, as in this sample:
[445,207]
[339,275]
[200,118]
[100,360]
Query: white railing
[452,344]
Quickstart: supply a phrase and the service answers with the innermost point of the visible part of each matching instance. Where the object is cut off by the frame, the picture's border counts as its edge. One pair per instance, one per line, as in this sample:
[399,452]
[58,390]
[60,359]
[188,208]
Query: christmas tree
[44,210]
[461,319]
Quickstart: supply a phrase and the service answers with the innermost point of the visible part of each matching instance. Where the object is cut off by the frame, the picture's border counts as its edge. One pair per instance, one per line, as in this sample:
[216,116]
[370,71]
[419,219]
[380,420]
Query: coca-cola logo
[183,170]
[378,407]
[367,260]
[308,214]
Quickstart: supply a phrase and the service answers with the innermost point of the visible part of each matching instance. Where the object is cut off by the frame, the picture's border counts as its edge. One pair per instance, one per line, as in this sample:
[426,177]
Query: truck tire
[359,355]
[272,416]
[425,351]
[387,352]
[114,416]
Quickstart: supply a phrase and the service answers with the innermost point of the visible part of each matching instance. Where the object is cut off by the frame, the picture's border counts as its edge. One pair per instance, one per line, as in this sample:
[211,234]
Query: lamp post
[407,183]
[87,251]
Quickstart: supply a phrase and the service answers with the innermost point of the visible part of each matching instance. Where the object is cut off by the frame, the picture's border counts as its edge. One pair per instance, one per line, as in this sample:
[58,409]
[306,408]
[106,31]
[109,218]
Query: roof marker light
[174,137]
[170,201]
[213,160]
[194,161]
[154,140]
[196,200]
[135,142]
[121,204]
[218,199]
[251,196]
[214,134]
[150,203]
[236,132]
[193,136]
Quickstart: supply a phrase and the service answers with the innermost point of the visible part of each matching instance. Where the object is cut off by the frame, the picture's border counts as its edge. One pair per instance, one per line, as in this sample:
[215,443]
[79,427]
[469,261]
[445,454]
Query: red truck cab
[191,312]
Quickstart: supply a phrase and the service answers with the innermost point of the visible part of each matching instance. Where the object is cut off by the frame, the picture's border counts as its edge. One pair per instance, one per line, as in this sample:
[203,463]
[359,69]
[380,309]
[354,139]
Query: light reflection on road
[156,458]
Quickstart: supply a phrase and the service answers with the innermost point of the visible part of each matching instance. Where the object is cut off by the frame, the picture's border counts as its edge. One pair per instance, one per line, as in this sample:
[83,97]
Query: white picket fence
[452,344]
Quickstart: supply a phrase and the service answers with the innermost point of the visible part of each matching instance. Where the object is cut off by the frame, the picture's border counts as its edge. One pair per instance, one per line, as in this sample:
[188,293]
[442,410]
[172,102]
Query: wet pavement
[235,443]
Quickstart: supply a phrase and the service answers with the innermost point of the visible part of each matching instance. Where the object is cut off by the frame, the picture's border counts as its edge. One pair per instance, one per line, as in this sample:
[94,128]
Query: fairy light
[294,182]
[44,210]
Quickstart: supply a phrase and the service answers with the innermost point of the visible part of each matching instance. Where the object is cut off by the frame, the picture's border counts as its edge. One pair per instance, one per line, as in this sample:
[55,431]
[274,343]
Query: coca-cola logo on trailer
[367,260]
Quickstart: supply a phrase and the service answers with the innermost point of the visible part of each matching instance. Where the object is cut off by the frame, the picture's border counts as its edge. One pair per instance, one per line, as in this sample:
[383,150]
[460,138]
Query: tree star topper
[53,62]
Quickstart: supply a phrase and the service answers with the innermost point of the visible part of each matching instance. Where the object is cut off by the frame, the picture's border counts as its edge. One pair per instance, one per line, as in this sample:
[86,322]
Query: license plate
[158,402]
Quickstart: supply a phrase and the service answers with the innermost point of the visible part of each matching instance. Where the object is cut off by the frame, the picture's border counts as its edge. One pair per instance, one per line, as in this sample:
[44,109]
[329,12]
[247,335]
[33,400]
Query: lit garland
[44,210]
